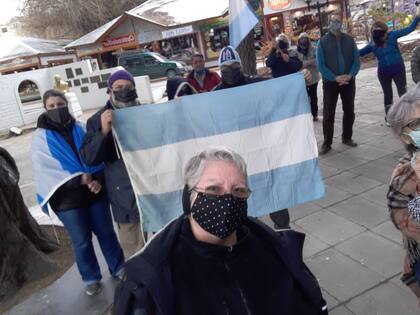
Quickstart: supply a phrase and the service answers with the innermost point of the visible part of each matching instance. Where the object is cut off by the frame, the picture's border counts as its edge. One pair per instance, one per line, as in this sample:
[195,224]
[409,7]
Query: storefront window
[215,40]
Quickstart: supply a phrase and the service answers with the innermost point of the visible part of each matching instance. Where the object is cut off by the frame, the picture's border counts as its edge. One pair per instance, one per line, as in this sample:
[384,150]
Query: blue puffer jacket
[389,56]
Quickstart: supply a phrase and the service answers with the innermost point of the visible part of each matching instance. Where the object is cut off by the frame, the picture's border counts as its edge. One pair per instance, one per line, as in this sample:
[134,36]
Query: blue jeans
[80,223]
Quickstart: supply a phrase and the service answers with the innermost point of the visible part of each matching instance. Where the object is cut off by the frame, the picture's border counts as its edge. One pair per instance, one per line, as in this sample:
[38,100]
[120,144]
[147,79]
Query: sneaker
[325,149]
[350,143]
[93,289]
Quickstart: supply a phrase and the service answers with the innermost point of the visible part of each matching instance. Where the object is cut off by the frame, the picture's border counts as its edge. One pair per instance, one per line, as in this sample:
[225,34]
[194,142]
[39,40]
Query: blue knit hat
[229,55]
[120,75]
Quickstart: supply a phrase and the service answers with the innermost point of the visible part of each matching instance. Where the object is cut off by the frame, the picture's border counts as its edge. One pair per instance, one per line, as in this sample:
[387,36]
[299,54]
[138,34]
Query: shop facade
[293,17]
[175,36]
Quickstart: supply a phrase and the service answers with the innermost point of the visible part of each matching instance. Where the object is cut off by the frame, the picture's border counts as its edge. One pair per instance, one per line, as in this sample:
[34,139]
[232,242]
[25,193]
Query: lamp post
[318,7]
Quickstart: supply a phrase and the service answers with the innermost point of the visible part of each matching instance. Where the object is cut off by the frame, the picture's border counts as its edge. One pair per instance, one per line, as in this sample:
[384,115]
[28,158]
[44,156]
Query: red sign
[120,40]
[276,5]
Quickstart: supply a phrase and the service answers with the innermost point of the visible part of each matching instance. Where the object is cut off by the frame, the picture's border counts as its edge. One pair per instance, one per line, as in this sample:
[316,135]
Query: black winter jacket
[281,68]
[97,149]
[148,289]
[246,79]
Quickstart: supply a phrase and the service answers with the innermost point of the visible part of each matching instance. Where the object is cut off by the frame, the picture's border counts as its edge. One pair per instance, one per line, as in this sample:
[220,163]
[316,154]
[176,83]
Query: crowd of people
[214,242]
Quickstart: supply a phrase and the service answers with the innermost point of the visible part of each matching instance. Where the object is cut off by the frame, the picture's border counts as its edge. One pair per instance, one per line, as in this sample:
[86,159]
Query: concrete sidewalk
[351,245]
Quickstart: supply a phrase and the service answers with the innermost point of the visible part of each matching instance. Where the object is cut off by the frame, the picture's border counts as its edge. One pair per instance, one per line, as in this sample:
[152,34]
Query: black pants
[400,81]
[313,97]
[281,219]
[347,93]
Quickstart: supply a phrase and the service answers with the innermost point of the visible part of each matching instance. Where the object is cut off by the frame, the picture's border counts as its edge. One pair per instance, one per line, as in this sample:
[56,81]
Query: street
[351,246]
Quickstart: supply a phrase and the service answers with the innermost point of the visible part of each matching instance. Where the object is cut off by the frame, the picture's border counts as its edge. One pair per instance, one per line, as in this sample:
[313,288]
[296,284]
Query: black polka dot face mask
[219,215]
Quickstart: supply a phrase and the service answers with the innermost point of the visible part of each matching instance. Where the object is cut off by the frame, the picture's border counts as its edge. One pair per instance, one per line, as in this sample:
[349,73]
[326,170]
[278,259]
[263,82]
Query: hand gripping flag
[269,123]
[242,20]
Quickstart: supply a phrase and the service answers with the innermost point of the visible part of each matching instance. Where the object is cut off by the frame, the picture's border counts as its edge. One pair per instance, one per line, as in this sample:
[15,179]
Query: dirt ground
[63,256]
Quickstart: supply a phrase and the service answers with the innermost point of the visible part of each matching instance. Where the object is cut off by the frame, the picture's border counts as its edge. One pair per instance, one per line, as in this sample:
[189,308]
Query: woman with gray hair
[404,119]
[214,259]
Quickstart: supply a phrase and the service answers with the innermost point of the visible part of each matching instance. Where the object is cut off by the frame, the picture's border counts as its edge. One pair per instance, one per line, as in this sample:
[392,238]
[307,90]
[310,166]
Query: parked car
[152,64]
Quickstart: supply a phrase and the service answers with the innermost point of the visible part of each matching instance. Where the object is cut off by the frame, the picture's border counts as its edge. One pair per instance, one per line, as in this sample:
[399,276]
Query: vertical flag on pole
[242,20]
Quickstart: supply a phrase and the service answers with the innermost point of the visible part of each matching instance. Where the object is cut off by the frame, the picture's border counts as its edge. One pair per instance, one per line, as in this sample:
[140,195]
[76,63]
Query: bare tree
[70,18]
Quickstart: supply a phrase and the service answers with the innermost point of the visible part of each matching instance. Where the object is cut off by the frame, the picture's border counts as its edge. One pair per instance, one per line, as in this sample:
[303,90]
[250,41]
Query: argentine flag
[242,20]
[269,123]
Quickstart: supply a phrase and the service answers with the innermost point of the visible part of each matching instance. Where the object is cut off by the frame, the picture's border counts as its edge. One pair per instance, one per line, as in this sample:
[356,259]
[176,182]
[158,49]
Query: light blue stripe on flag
[242,20]
[283,98]
[299,183]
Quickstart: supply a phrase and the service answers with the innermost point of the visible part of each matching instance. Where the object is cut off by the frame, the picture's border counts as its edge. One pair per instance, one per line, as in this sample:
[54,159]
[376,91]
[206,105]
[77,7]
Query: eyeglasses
[414,124]
[215,192]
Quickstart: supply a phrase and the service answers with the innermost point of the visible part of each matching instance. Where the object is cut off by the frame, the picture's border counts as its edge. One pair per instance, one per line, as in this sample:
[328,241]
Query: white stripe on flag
[264,148]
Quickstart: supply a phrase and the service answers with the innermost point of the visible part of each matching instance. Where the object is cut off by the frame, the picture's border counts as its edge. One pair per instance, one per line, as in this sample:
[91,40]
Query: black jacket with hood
[148,287]
[98,148]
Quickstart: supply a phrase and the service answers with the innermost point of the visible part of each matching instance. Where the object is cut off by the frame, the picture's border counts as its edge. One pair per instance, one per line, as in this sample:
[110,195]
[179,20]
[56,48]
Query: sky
[8,10]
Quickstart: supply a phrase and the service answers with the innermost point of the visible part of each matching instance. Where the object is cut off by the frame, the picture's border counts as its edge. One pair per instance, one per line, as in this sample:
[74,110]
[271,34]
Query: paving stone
[312,245]
[379,170]
[367,152]
[375,252]
[386,299]
[341,276]
[351,183]
[331,301]
[342,310]
[389,231]
[303,210]
[389,143]
[377,195]
[361,211]
[332,196]
[343,161]
[328,227]
[328,171]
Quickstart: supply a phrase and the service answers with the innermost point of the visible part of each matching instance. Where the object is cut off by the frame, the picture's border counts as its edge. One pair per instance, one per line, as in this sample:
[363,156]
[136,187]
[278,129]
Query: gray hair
[401,113]
[195,166]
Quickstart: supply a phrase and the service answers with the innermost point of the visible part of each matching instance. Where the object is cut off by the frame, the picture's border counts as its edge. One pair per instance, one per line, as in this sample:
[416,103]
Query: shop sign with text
[177,32]
[273,6]
[123,40]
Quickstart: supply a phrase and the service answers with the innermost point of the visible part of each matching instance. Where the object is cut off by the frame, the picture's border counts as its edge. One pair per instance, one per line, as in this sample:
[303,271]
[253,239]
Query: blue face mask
[335,26]
[200,71]
[415,137]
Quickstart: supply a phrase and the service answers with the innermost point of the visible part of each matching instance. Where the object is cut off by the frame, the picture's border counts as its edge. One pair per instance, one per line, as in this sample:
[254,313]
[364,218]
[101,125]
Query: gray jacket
[415,64]
[309,63]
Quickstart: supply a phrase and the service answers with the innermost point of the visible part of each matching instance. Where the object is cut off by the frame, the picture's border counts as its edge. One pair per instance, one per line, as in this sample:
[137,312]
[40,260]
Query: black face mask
[303,46]
[378,36]
[283,44]
[59,115]
[231,76]
[219,216]
[126,95]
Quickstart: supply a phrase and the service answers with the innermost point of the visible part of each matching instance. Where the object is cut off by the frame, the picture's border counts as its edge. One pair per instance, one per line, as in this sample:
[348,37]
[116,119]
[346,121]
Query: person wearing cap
[232,76]
[100,147]
[214,259]
[201,78]
[307,54]
[231,70]
[282,60]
